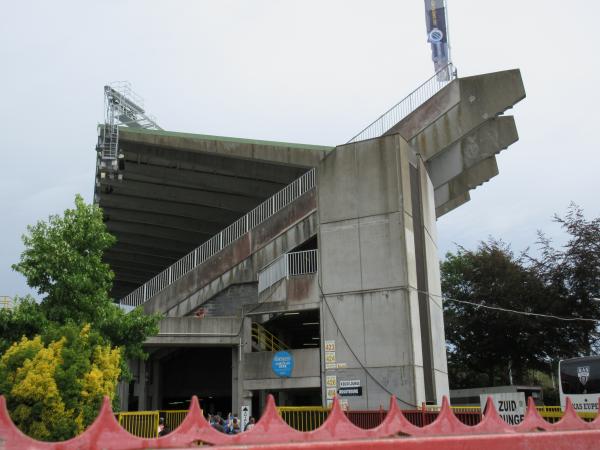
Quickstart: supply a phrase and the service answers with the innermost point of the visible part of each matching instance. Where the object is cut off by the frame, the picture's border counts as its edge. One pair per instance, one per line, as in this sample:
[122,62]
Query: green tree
[54,384]
[571,275]
[25,319]
[62,260]
[487,347]
[71,340]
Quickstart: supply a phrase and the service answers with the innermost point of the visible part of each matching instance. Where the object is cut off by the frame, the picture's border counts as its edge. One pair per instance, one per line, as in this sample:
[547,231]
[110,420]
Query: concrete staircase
[235,254]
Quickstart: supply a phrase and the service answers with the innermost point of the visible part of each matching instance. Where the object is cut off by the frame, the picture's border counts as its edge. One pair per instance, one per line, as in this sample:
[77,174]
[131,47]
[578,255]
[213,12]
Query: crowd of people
[230,425]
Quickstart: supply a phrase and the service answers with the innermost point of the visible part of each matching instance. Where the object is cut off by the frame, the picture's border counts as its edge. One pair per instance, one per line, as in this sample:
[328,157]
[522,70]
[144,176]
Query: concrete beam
[451,194]
[268,151]
[128,278]
[190,331]
[173,208]
[157,232]
[124,287]
[211,163]
[149,252]
[487,140]
[229,202]
[163,220]
[129,260]
[482,97]
[452,204]
[200,180]
[163,244]
[134,271]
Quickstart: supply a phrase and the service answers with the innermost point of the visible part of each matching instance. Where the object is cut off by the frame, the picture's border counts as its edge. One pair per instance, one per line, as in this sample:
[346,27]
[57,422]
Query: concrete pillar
[143,386]
[156,393]
[235,378]
[123,390]
[368,273]
[432,314]
[240,396]
[246,346]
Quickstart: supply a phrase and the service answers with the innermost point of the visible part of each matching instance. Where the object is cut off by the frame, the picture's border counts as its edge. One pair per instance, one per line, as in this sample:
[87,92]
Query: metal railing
[145,423]
[221,240]
[265,340]
[289,264]
[303,418]
[308,418]
[407,105]
[140,423]
[173,418]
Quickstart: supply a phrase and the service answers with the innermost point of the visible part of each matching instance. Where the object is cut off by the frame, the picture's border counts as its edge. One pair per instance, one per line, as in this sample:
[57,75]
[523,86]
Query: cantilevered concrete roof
[179,189]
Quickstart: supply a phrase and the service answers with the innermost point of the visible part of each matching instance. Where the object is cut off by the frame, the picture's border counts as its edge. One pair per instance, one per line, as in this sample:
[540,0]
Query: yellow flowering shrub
[54,390]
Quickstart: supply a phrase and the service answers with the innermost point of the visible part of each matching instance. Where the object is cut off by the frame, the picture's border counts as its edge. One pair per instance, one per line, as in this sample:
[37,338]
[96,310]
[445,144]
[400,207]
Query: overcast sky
[307,71]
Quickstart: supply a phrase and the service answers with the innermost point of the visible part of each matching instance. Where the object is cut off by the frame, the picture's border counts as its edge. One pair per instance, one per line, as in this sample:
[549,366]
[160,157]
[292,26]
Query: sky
[311,71]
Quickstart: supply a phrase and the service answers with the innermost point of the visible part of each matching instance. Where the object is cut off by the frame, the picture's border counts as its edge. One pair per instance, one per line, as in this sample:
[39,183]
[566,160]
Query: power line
[354,354]
[514,311]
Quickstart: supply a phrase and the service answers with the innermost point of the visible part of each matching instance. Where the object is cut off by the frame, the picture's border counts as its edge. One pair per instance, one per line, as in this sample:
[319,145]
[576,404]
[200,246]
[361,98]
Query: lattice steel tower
[122,107]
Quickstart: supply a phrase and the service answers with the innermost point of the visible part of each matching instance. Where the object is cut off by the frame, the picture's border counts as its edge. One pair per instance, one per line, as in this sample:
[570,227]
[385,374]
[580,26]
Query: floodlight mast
[122,107]
[436,20]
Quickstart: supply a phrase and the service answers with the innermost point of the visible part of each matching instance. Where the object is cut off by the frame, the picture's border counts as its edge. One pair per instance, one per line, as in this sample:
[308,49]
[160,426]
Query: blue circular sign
[282,364]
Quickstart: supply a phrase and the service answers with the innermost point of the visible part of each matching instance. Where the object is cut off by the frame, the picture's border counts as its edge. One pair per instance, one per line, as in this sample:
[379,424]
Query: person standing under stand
[235,426]
[162,428]
[250,424]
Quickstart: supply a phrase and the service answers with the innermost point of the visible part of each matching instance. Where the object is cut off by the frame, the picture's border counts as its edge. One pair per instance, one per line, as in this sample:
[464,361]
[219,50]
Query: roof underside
[178,190]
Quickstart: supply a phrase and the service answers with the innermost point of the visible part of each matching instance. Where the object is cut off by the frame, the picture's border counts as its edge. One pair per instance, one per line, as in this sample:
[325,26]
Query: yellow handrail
[266,340]
[303,418]
[173,418]
[140,423]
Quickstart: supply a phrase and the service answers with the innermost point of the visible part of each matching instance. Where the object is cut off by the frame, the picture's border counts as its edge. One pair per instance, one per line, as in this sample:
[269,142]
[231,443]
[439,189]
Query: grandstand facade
[303,271]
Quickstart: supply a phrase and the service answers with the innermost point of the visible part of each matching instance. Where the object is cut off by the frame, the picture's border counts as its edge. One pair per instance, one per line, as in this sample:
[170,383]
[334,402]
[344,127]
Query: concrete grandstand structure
[329,254]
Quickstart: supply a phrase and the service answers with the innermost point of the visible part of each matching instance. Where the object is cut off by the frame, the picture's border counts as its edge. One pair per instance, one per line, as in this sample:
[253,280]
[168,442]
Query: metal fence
[407,105]
[336,432]
[140,423]
[173,418]
[145,423]
[221,240]
[308,418]
[303,418]
[286,265]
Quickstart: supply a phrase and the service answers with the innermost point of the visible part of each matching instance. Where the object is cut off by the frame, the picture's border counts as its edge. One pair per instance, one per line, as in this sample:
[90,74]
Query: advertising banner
[437,32]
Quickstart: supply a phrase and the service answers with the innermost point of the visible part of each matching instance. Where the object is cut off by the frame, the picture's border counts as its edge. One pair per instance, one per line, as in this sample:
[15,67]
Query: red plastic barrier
[338,431]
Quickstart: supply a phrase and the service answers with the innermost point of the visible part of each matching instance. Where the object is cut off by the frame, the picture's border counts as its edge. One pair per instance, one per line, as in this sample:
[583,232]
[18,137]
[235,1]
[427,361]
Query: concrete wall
[258,374]
[369,272]
[293,291]
[229,301]
[182,331]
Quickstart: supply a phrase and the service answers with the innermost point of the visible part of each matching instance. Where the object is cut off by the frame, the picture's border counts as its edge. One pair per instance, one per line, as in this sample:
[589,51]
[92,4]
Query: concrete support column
[240,396]
[143,386]
[235,378]
[156,393]
[369,265]
[123,391]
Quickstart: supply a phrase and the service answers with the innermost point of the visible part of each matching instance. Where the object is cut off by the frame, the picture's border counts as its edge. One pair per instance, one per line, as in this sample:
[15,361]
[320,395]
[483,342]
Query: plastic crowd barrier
[337,432]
